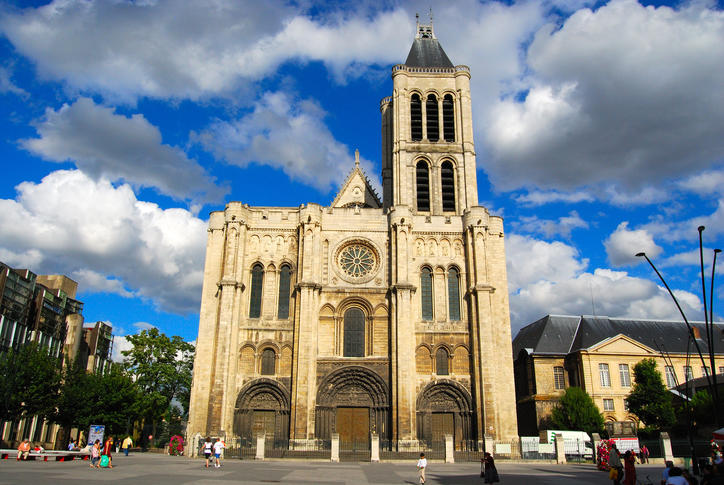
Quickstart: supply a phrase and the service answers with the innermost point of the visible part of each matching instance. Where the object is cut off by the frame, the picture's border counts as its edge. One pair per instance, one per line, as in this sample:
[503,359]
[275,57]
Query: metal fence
[434,450]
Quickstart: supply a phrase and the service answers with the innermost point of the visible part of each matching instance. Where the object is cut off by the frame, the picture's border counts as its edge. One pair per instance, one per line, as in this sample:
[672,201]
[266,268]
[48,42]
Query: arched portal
[354,402]
[262,407]
[445,407]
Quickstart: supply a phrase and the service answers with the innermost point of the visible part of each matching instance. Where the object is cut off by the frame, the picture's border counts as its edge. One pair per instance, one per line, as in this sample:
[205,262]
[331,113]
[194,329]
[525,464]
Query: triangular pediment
[621,344]
[356,190]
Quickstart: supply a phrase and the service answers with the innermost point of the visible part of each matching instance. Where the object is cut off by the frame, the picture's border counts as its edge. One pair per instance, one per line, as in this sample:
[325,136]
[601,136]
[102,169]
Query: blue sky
[599,133]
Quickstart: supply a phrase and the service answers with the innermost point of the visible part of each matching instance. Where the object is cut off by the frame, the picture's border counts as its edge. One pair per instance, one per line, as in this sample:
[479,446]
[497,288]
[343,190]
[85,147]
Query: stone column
[375,448]
[260,443]
[666,446]
[449,449]
[596,442]
[335,448]
[560,449]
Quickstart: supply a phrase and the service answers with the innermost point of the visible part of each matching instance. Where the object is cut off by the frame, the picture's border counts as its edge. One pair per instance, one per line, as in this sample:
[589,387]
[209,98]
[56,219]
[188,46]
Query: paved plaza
[154,469]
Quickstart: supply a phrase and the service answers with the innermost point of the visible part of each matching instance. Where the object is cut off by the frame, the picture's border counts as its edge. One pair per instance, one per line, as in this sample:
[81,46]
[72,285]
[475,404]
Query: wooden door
[264,423]
[442,424]
[353,426]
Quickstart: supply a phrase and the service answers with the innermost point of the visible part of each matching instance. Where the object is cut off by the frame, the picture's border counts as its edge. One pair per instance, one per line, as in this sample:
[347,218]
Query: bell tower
[428,153]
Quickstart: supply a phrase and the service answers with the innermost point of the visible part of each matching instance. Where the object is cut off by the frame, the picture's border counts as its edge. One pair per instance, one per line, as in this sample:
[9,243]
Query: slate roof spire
[426,51]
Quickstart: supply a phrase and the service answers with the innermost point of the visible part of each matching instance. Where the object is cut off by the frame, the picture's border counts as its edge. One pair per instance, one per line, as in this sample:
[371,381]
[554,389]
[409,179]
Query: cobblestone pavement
[153,469]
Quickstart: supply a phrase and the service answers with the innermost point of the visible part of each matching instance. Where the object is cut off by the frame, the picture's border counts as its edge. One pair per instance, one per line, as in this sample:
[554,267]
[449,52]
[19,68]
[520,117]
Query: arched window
[257,280]
[416,117]
[448,118]
[285,276]
[441,362]
[423,186]
[268,358]
[447,183]
[354,333]
[453,293]
[426,293]
[433,123]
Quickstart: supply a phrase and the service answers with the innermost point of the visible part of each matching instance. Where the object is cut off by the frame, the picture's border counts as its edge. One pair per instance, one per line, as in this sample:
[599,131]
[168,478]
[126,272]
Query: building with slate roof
[598,354]
[371,316]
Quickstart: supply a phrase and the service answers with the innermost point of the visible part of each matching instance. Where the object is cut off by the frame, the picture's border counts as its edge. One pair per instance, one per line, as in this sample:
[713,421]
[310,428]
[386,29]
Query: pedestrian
[96,454]
[489,472]
[665,473]
[644,456]
[690,479]
[107,449]
[421,465]
[208,446]
[126,445]
[218,447]
[675,477]
[629,461]
[614,464]
[24,450]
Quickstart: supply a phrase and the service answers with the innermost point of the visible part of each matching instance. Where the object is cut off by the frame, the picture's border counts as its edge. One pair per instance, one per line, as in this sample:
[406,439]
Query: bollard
[449,449]
[335,448]
[560,449]
[260,441]
[375,448]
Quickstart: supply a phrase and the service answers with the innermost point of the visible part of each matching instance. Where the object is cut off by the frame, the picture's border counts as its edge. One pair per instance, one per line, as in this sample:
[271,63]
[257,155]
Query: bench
[57,455]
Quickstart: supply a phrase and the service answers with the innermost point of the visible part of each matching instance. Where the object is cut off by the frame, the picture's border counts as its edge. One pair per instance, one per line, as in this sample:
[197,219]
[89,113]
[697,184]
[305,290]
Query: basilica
[368,316]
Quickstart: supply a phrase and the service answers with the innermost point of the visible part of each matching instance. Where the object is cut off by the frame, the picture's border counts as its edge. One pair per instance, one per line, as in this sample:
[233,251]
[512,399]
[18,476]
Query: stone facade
[367,316]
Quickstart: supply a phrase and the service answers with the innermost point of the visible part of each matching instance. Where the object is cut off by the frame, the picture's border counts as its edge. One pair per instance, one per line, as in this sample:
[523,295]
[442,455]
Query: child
[421,465]
[218,447]
[95,454]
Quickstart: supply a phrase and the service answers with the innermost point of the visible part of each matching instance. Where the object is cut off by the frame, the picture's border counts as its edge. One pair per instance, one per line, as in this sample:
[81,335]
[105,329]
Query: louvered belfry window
[423,186]
[447,182]
[453,292]
[354,333]
[285,276]
[441,364]
[268,356]
[257,280]
[433,122]
[448,118]
[426,293]
[416,117]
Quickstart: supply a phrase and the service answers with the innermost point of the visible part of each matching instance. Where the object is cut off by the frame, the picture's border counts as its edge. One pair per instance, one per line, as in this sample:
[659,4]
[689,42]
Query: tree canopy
[649,399]
[576,411]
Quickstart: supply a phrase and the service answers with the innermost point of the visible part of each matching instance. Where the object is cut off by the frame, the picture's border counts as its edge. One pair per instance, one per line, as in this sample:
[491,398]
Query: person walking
[614,463]
[108,449]
[95,454]
[644,455]
[208,447]
[675,477]
[629,461]
[24,450]
[421,465]
[490,473]
[218,448]
[126,445]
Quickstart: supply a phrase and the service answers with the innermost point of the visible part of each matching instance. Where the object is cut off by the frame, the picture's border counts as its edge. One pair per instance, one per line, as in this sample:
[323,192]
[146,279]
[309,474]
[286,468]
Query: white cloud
[105,144]
[623,245]
[551,228]
[90,281]
[101,231]
[7,85]
[621,197]
[288,135]
[705,183]
[669,229]
[548,278]
[625,94]
[537,197]
[143,326]
[120,343]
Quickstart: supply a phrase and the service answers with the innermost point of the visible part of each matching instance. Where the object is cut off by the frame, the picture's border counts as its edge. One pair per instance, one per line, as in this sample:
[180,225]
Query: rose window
[357,260]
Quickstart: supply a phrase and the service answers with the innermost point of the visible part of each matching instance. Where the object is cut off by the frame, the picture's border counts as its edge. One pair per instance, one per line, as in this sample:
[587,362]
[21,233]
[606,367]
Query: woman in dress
[107,448]
[629,468]
[490,473]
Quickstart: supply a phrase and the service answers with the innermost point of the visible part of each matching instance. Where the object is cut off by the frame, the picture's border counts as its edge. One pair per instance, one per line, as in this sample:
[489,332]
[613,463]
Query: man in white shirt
[421,465]
[218,447]
[675,477]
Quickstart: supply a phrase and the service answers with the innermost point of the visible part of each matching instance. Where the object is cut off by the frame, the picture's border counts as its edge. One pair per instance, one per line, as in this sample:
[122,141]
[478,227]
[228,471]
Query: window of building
[426,293]
[268,358]
[625,375]
[416,117]
[608,405]
[605,375]
[705,371]
[670,376]
[558,378]
[441,362]
[285,278]
[354,333]
[448,118]
[257,280]
[625,404]
[447,183]
[423,186]
[453,293]
[688,373]
[721,370]
[433,123]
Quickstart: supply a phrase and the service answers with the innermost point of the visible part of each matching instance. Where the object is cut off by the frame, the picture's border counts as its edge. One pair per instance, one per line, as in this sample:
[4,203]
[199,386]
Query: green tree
[702,406]
[117,403]
[649,399]
[75,399]
[29,384]
[577,411]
